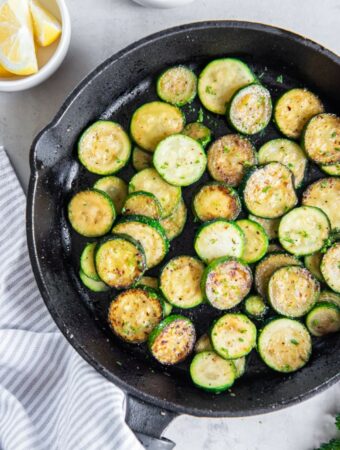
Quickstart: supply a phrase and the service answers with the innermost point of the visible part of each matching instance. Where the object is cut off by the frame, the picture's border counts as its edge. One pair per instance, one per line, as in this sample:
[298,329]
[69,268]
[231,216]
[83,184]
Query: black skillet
[114,90]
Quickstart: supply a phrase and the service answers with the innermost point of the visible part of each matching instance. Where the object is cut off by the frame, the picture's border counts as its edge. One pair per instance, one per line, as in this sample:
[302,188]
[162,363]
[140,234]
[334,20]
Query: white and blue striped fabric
[50,398]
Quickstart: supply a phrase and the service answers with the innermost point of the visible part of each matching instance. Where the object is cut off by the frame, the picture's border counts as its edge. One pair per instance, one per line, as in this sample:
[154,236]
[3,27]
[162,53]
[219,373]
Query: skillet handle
[148,423]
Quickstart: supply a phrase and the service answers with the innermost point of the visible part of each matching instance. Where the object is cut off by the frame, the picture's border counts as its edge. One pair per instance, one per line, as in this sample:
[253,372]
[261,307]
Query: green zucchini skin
[147,205]
[208,361]
[291,115]
[186,90]
[256,241]
[330,297]
[323,319]
[201,133]
[206,240]
[128,224]
[215,96]
[223,288]
[293,291]
[312,263]
[172,340]
[87,264]
[89,227]
[132,250]
[134,313]
[93,285]
[180,281]
[331,169]
[304,230]
[221,196]
[95,137]
[261,186]
[180,160]
[284,345]
[246,125]
[330,267]
[233,335]
[255,307]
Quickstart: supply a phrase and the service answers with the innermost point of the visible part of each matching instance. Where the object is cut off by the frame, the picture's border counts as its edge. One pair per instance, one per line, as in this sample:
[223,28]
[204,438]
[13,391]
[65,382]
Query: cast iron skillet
[114,90]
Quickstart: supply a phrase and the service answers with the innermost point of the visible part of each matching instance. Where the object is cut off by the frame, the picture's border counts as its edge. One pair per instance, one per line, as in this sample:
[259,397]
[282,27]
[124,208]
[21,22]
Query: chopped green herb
[266,189]
[294,341]
[210,90]
[279,79]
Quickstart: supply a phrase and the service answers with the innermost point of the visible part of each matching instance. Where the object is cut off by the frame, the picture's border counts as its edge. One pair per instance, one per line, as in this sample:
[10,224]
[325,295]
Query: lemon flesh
[17,50]
[46,27]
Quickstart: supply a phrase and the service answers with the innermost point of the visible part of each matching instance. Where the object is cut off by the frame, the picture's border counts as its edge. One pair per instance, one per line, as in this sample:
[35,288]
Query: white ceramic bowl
[22,83]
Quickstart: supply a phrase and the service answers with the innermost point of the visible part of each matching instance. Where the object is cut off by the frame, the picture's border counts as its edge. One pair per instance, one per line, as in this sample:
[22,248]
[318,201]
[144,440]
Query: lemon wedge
[17,50]
[46,27]
[4,73]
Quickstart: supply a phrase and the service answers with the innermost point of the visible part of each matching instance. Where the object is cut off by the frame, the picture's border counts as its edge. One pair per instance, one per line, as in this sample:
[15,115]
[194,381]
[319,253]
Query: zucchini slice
[321,139]
[120,261]
[180,160]
[203,344]
[226,282]
[312,262]
[134,313]
[149,233]
[91,213]
[250,109]
[256,240]
[271,226]
[293,291]
[141,159]
[153,122]
[219,80]
[240,366]
[293,110]
[325,194]
[104,148]
[173,225]
[304,230]
[229,157]
[265,269]
[330,267]
[233,336]
[219,238]
[216,201]
[87,265]
[288,153]
[172,340]
[115,188]
[269,191]
[143,203]
[255,306]
[148,180]
[330,297]
[285,345]
[149,282]
[177,85]
[332,169]
[212,373]
[93,285]
[167,309]
[180,281]
[323,319]
[199,132]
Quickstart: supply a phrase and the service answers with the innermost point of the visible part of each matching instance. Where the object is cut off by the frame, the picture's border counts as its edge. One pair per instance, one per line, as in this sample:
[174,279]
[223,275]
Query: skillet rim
[31,240]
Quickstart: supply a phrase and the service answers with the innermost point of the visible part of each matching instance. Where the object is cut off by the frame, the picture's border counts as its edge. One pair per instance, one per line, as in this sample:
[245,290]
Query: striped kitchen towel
[50,398]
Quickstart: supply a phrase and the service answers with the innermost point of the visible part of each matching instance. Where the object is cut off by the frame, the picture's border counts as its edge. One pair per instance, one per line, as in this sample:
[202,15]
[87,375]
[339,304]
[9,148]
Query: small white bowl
[29,81]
